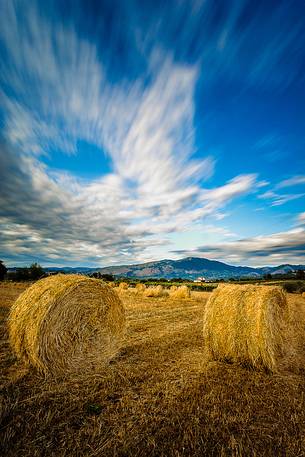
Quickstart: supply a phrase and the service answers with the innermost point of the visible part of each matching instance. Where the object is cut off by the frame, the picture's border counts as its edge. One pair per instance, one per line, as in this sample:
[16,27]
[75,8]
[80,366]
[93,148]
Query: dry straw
[123,286]
[180,292]
[245,324]
[156,291]
[67,324]
[303,294]
[140,287]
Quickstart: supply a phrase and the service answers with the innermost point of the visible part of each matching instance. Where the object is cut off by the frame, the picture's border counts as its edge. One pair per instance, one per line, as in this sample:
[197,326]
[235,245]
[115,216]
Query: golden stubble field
[158,397]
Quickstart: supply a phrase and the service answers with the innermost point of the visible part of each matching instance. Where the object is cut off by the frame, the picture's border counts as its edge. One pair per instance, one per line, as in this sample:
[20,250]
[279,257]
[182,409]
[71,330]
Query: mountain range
[188,268]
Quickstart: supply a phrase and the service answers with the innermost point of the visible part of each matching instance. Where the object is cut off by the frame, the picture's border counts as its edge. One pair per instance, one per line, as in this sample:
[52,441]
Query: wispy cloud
[60,85]
[277,248]
[279,199]
[293,181]
[274,147]
[57,93]
[301,218]
[220,35]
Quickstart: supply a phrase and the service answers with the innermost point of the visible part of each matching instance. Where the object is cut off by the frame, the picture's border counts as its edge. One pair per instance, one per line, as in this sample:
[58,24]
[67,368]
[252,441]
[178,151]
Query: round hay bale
[67,324]
[245,324]
[156,291]
[173,288]
[123,286]
[303,294]
[180,292]
[140,287]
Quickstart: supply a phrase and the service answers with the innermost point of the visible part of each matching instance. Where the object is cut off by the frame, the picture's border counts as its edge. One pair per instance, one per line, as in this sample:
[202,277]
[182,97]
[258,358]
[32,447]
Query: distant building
[200,279]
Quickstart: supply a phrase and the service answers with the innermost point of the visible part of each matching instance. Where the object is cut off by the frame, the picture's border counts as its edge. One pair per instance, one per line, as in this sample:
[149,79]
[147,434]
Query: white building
[200,279]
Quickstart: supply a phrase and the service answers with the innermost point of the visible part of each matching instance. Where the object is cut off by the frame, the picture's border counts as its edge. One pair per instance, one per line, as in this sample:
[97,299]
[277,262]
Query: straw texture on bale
[180,292]
[156,291]
[123,286]
[303,294]
[245,324]
[140,287]
[67,324]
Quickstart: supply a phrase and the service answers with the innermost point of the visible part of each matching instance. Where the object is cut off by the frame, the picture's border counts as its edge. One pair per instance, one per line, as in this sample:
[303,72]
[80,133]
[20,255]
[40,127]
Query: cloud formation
[278,248]
[279,199]
[58,94]
[60,86]
[291,182]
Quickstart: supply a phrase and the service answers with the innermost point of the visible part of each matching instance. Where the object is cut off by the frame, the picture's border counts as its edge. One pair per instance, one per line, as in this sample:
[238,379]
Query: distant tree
[300,274]
[107,277]
[3,270]
[96,275]
[268,276]
[35,271]
[22,274]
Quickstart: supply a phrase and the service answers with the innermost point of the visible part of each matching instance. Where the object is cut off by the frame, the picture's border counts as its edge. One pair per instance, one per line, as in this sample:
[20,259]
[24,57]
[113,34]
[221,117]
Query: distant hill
[188,268]
[194,267]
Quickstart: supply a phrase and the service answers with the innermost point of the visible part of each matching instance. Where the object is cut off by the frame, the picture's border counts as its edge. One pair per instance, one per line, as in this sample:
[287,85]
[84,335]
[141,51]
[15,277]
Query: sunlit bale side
[245,324]
[67,324]
[180,292]
[140,287]
[156,291]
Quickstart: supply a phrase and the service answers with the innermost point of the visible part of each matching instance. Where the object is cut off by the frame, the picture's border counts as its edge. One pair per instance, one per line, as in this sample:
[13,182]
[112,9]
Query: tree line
[31,273]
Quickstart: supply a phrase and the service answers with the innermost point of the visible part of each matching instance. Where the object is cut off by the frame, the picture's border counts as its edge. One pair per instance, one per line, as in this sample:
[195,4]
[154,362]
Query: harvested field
[159,397]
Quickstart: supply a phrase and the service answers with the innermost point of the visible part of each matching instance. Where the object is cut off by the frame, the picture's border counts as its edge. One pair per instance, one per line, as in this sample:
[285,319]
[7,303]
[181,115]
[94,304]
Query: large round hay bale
[67,324]
[245,324]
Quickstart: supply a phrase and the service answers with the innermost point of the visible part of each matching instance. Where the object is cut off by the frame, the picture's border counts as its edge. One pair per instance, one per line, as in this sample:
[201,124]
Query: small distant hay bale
[123,286]
[156,291]
[67,324]
[303,294]
[173,288]
[180,292]
[245,324]
[140,287]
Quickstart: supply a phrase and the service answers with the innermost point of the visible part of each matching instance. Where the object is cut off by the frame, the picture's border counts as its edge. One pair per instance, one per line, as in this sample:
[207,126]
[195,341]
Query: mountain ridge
[187,268]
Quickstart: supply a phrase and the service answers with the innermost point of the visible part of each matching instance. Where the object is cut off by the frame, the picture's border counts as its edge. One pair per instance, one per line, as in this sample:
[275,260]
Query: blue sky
[140,130]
